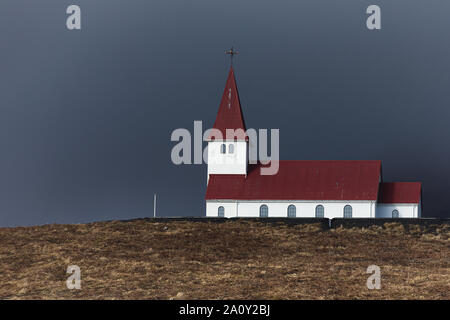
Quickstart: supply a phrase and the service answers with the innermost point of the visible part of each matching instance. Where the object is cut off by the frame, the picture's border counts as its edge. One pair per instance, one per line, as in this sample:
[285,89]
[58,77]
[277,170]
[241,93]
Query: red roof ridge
[401,182]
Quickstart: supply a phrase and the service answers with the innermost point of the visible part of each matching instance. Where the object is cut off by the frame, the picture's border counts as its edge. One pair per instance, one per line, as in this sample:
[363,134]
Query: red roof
[230,115]
[301,180]
[400,192]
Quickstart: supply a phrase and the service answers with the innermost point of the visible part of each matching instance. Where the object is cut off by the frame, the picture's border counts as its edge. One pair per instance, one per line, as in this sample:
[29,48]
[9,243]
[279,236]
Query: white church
[301,188]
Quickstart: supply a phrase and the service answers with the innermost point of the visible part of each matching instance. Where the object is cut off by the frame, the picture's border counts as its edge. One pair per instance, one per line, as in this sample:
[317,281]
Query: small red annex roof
[301,180]
[400,192]
[230,115]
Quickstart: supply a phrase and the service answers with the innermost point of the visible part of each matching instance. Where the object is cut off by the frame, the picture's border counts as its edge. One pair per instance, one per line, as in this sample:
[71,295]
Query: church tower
[228,153]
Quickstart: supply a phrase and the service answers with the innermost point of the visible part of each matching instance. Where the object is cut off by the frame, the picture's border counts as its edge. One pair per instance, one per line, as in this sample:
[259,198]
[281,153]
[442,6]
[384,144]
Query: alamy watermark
[374,281]
[258,147]
[73,20]
[74,281]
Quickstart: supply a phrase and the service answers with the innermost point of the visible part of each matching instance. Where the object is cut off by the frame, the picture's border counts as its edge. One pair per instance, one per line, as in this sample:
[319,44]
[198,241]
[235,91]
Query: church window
[231,148]
[223,148]
[263,211]
[320,211]
[221,212]
[348,211]
[395,214]
[291,211]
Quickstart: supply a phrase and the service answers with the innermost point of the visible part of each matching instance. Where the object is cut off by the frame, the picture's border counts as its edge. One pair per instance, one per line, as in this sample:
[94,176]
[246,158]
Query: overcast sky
[86,116]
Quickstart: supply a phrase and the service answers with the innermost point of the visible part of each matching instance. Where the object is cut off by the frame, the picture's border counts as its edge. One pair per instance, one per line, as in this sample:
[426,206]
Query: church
[301,188]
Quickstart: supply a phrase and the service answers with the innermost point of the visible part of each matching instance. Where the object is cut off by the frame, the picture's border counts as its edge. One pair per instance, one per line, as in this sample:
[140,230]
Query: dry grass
[232,260]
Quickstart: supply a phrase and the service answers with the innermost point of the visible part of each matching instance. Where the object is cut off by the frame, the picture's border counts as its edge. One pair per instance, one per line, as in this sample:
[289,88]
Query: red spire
[230,115]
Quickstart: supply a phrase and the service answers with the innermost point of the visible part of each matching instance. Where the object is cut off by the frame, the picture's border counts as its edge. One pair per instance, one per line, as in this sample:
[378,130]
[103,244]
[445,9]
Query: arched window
[263,211]
[223,148]
[320,211]
[231,148]
[348,211]
[395,214]
[292,211]
[221,212]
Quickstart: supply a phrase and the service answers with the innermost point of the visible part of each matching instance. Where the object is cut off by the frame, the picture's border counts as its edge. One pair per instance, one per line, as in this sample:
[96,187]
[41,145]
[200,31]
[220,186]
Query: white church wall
[227,163]
[306,209]
[419,209]
[212,208]
[405,210]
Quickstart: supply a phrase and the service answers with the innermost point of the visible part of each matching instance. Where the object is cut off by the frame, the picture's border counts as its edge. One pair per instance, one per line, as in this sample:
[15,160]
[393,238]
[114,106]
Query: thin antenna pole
[154,205]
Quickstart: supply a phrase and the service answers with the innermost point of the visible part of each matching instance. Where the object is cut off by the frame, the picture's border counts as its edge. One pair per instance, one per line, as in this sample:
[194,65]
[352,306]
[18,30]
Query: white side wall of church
[405,210]
[307,209]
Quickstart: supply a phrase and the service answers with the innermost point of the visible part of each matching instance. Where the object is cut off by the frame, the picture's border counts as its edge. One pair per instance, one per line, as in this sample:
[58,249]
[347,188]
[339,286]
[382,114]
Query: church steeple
[230,115]
[228,155]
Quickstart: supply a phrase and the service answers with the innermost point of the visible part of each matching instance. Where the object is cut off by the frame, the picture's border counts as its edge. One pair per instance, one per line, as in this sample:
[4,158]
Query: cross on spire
[231,52]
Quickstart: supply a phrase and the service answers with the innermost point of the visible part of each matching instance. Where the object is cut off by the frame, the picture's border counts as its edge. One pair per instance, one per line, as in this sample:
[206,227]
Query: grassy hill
[233,260]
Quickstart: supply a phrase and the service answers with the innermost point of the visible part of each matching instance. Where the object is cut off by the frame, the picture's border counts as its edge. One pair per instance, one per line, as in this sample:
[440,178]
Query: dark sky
[86,116]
